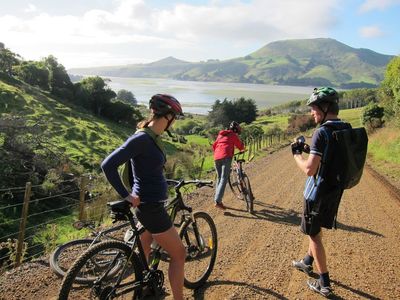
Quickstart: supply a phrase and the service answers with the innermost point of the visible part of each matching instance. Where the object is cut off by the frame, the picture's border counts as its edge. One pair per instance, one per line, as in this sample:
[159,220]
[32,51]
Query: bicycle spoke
[200,241]
[107,265]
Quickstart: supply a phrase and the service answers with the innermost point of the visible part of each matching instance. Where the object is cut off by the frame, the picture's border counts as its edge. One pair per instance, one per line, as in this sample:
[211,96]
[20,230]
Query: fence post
[249,150]
[173,170]
[201,167]
[22,225]
[84,181]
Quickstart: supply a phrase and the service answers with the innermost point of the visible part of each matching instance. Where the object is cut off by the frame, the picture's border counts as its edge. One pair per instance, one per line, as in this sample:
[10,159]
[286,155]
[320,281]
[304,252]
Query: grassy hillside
[84,138]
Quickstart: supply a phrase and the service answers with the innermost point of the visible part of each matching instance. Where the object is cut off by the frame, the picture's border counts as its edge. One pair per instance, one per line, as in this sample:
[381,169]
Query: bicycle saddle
[119,209]
[240,160]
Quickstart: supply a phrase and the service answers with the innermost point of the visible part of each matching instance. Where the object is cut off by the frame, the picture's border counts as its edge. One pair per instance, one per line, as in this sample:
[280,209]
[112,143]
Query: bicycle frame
[237,167]
[151,267]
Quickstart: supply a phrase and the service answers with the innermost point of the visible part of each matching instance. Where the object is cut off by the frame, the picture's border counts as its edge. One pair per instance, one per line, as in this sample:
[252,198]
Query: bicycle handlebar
[240,153]
[178,184]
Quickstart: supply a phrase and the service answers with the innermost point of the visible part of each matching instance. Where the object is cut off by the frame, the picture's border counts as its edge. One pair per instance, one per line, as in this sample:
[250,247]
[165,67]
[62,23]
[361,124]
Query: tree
[8,59]
[239,110]
[390,89]
[59,81]
[33,73]
[372,116]
[357,98]
[126,96]
[94,94]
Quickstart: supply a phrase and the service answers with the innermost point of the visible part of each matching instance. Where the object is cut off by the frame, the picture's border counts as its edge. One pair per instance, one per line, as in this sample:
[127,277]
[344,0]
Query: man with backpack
[323,190]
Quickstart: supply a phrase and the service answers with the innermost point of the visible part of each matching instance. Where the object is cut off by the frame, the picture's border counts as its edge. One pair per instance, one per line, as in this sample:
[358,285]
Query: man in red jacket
[224,147]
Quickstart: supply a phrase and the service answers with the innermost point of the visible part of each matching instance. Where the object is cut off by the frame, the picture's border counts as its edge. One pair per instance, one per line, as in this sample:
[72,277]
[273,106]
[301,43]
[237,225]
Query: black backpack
[351,144]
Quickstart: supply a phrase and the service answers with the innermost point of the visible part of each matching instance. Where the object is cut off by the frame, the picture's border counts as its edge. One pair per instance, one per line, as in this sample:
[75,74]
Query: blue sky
[117,32]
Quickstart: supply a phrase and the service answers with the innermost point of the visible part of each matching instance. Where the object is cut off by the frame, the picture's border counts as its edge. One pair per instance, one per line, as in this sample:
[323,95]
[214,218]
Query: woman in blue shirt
[149,188]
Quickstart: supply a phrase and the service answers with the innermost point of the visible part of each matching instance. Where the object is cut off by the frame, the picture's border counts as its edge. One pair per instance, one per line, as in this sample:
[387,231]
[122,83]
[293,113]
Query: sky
[117,32]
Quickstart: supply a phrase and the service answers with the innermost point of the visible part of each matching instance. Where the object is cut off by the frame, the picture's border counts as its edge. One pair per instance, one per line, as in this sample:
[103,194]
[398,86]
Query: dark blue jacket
[147,164]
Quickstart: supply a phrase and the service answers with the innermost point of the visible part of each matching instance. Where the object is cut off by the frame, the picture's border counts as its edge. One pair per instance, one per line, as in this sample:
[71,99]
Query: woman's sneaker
[220,205]
[301,266]
[316,286]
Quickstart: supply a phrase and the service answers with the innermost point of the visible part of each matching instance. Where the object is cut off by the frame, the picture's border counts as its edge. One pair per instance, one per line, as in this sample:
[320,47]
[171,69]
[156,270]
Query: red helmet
[163,104]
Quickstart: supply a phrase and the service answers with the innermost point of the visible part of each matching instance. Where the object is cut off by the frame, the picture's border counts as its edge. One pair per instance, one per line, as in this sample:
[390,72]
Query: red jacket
[225,144]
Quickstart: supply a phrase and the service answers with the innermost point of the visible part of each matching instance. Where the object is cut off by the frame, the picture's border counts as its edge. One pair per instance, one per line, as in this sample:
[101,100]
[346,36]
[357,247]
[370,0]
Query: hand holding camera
[299,146]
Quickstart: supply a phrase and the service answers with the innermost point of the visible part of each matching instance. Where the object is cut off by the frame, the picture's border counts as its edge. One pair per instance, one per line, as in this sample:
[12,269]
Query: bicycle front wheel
[248,194]
[111,266]
[62,258]
[199,236]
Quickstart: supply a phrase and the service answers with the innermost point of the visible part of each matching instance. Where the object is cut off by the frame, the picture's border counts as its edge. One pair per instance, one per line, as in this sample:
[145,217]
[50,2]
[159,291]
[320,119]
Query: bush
[299,123]
[372,116]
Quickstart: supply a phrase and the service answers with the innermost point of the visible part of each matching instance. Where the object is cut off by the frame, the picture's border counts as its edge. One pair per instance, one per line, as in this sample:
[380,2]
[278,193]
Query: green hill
[84,138]
[306,62]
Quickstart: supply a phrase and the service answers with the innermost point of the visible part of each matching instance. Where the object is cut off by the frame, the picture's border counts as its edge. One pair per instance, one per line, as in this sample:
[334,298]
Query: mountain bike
[63,256]
[239,182]
[124,269]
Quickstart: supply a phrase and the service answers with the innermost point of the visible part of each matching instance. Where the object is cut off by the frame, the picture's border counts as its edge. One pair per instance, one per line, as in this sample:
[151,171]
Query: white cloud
[370,5]
[372,31]
[31,8]
[138,30]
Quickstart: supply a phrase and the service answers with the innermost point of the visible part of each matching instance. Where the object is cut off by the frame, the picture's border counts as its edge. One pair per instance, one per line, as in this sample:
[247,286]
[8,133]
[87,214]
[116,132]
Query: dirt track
[255,252]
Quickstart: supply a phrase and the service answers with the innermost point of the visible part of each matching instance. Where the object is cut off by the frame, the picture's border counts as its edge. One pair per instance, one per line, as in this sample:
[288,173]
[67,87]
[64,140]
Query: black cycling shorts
[154,217]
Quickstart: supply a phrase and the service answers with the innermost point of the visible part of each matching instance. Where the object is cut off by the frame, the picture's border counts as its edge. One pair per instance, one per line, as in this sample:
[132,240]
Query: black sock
[308,260]
[324,279]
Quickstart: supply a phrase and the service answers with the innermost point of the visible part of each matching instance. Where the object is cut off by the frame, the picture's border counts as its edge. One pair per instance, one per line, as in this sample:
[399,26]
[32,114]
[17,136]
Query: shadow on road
[357,229]
[359,293]
[276,214]
[199,294]
[269,212]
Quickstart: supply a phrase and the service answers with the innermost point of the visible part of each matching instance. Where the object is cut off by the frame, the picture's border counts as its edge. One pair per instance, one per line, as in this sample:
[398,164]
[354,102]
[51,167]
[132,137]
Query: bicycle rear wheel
[248,194]
[119,265]
[62,258]
[235,185]
[200,240]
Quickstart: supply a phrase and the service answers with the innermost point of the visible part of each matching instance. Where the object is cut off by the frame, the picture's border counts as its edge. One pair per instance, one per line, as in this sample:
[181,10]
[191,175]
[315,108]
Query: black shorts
[310,223]
[154,217]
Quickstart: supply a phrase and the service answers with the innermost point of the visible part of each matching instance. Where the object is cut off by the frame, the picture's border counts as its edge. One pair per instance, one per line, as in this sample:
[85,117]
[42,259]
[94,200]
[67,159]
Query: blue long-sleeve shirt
[147,164]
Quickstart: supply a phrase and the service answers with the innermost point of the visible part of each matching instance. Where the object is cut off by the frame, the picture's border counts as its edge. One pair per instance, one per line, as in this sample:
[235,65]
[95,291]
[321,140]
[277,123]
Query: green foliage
[187,126]
[372,116]
[300,123]
[240,110]
[8,60]
[33,73]
[126,96]
[251,131]
[390,90]
[59,81]
[358,97]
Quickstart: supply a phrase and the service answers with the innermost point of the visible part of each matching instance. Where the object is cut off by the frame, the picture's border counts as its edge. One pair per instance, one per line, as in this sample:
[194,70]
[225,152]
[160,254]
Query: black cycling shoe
[301,266]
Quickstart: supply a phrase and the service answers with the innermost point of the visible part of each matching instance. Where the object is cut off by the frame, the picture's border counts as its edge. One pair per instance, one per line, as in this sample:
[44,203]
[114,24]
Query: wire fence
[18,244]
[17,238]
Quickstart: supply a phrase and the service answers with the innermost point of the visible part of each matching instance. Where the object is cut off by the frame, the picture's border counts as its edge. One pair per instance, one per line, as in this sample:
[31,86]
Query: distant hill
[305,62]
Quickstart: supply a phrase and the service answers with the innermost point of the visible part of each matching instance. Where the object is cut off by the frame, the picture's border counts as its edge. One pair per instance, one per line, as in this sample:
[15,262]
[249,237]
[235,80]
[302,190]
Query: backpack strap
[156,139]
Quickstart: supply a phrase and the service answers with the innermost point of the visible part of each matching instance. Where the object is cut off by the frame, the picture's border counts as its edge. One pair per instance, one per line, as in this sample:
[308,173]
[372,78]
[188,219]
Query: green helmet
[323,94]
